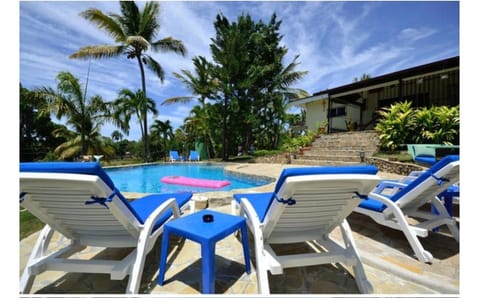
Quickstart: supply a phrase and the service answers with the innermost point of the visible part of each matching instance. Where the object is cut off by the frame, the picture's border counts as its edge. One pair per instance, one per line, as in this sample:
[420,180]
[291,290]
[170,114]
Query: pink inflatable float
[181,180]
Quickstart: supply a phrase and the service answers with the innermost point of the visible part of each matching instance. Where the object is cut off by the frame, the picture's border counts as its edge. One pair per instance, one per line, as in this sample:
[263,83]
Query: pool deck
[388,260]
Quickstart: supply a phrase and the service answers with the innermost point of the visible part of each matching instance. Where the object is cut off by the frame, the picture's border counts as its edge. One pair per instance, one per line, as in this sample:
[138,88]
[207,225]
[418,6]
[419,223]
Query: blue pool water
[146,179]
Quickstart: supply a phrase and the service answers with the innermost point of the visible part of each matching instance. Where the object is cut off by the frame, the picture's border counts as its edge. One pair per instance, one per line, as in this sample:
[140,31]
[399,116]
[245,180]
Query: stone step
[321,162]
[340,148]
[336,151]
[330,157]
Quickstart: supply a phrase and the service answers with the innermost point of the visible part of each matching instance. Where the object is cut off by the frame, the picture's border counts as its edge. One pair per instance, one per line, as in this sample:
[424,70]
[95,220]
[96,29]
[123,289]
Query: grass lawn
[29,224]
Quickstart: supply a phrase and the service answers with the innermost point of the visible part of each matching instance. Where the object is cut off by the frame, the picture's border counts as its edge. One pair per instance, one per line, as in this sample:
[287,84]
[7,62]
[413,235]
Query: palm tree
[84,116]
[201,83]
[116,136]
[134,32]
[164,129]
[131,103]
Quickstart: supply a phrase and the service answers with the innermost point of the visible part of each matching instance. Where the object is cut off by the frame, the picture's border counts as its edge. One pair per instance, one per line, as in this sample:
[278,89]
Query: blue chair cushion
[427,159]
[260,202]
[146,205]
[372,204]
[86,168]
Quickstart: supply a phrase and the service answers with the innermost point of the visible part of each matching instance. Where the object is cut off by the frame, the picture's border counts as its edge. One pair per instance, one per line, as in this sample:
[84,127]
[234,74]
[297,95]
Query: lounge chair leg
[412,238]
[38,250]
[364,285]
[451,224]
[137,268]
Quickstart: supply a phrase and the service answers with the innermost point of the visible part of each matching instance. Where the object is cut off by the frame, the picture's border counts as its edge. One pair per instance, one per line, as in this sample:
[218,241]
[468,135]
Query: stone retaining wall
[388,166]
[383,165]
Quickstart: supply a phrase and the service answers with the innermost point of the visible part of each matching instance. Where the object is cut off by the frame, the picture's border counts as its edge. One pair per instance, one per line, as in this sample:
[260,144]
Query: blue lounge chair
[306,205]
[193,156]
[80,201]
[174,156]
[391,203]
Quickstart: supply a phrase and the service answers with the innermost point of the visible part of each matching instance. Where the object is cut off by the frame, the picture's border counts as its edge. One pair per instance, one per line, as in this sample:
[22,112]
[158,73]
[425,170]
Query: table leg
[163,257]
[208,268]
[246,253]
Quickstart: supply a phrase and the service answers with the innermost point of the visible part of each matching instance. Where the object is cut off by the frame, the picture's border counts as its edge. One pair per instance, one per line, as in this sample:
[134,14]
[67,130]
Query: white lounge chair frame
[322,203]
[397,213]
[59,200]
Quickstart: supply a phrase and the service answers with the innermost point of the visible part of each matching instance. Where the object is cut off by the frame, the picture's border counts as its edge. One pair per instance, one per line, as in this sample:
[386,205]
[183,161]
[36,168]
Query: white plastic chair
[306,206]
[80,201]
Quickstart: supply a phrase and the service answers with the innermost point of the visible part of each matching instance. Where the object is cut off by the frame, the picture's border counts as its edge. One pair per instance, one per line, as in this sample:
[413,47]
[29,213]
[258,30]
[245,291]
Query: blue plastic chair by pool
[390,203]
[174,156]
[80,201]
[306,205]
[193,156]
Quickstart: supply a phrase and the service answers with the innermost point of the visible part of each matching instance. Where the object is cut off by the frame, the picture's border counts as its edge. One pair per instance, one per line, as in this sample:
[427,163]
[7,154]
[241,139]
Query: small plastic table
[207,234]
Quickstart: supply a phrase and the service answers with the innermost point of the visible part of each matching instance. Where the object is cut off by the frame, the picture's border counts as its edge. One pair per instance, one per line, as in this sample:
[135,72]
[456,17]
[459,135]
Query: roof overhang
[301,102]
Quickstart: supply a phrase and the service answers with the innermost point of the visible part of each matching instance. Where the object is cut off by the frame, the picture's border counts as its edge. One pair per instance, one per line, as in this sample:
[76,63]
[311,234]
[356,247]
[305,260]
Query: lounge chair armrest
[416,173]
[247,208]
[384,199]
[388,184]
[164,207]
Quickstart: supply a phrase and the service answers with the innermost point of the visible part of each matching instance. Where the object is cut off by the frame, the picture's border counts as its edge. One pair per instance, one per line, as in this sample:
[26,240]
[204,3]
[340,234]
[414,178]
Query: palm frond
[98,52]
[178,99]
[169,44]
[154,66]
[104,22]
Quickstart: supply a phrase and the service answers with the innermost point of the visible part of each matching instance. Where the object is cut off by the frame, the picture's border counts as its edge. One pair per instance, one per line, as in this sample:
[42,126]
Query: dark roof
[426,68]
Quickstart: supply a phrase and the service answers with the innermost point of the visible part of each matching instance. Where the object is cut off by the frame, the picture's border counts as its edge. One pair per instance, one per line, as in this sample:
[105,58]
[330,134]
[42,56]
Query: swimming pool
[146,178]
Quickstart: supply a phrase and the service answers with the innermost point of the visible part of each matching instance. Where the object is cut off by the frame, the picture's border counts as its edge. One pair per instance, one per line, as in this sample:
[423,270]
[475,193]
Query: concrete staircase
[339,148]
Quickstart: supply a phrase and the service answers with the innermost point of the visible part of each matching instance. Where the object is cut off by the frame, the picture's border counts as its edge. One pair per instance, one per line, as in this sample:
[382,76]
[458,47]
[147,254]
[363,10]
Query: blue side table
[207,234]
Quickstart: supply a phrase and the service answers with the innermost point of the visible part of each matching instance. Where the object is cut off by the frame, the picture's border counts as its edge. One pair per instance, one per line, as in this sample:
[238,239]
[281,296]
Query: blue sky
[336,41]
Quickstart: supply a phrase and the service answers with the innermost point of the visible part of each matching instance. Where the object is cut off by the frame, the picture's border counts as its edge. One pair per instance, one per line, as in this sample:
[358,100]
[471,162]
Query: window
[335,112]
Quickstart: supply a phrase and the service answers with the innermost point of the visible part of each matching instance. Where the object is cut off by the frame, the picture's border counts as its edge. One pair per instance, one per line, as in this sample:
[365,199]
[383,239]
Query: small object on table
[205,227]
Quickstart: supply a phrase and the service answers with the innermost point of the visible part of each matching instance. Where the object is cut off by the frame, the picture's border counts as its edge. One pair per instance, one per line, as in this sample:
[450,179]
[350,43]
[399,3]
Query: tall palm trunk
[146,150]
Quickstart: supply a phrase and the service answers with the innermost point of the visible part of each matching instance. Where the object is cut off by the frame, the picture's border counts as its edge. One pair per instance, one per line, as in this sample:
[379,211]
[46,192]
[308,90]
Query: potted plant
[322,126]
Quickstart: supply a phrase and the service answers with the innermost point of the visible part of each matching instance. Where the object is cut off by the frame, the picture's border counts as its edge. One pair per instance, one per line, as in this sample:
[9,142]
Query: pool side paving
[388,260]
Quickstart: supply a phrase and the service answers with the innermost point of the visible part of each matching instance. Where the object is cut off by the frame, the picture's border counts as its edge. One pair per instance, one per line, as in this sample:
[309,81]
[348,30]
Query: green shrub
[396,126]
[400,124]
[437,125]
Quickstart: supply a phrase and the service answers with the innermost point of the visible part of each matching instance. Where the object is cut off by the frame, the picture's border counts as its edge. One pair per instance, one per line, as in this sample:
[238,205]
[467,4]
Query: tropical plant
[437,125]
[116,136]
[131,103]
[134,31]
[164,131]
[84,117]
[201,83]
[400,124]
[253,85]
[396,125]
[36,138]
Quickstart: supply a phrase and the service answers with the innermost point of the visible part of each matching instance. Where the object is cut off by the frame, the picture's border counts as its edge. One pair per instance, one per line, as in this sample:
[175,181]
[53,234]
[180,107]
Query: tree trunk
[146,150]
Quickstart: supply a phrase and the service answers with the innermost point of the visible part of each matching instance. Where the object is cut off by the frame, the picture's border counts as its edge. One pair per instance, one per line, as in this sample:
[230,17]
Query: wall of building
[315,112]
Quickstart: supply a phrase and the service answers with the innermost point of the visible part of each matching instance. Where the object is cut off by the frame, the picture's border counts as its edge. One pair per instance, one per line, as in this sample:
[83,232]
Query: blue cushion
[372,204]
[146,205]
[260,202]
[428,159]
[87,168]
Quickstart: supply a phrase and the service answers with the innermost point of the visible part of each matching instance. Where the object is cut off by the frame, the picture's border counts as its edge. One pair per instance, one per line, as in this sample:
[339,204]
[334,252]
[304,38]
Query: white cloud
[414,34]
